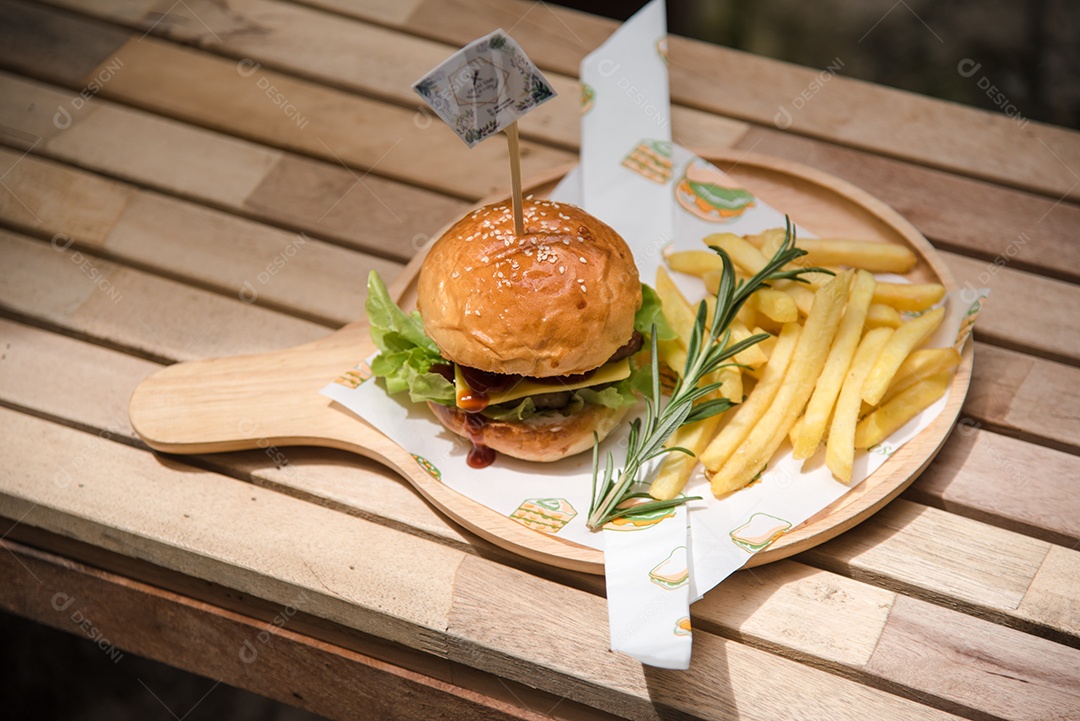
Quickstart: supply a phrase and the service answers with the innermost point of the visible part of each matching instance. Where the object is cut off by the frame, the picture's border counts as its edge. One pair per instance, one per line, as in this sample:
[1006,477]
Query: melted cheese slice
[607,373]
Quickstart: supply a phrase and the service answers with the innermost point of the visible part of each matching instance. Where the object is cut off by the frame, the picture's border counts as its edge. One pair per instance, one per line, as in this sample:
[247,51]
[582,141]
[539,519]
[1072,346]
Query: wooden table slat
[333,125]
[129,308]
[127,501]
[322,198]
[1024,229]
[200,246]
[1000,322]
[287,666]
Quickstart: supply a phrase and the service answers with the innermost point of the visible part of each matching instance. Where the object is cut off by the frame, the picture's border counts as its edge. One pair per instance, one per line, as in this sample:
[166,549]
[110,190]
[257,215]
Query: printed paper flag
[484,87]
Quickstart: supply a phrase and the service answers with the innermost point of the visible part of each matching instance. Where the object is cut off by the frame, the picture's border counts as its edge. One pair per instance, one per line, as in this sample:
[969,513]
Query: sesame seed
[484,259]
[582,290]
[562,269]
[582,259]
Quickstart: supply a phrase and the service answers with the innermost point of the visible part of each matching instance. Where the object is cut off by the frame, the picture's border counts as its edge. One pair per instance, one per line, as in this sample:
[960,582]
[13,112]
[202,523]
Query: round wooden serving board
[229,404]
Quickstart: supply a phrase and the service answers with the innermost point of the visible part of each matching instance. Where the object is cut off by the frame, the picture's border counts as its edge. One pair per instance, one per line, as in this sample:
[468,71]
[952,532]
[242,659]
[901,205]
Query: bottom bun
[544,438]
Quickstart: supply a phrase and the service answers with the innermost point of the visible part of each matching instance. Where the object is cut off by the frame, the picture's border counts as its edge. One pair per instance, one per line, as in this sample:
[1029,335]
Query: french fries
[681,315]
[677,309]
[883,316]
[747,415]
[909,296]
[813,347]
[775,305]
[906,338]
[832,377]
[877,426]
[840,449]
[842,364]
[874,257]
[748,258]
[920,365]
[695,262]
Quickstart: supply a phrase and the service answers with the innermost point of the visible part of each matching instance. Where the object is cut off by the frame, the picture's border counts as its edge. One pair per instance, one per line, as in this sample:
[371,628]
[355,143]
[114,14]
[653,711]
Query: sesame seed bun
[559,300]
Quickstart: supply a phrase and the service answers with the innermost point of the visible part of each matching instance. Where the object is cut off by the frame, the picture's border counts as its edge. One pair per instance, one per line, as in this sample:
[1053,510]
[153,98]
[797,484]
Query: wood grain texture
[108,302]
[888,122]
[1052,597]
[202,247]
[922,551]
[1017,296]
[288,666]
[324,199]
[51,198]
[359,56]
[127,500]
[1005,482]
[1027,396]
[334,567]
[786,608]
[358,211]
[209,91]
[724,679]
[958,214]
[39,41]
[1006,674]
[797,610]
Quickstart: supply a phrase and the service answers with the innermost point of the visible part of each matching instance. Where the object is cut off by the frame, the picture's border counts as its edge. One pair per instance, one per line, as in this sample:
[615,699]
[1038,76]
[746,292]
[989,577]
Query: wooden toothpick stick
[515,176]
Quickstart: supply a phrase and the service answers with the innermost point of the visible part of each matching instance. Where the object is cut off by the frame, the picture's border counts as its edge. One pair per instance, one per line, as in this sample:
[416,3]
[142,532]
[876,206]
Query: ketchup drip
[480,456]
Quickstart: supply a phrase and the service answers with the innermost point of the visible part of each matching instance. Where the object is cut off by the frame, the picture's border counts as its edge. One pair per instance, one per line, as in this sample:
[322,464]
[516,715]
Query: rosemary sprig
[707,352]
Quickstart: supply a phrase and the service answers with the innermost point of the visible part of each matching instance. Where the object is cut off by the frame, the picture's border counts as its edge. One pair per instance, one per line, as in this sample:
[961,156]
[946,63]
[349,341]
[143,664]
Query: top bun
[557,301]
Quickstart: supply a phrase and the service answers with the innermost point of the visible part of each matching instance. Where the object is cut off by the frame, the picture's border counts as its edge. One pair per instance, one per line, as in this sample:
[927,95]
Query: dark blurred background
[1028,52]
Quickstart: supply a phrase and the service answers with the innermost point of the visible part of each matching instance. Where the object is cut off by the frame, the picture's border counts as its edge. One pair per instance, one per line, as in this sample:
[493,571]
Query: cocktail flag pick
[484,88]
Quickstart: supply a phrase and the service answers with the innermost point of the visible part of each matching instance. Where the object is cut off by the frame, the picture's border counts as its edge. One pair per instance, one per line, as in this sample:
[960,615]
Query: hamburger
[707,192]
[525,345]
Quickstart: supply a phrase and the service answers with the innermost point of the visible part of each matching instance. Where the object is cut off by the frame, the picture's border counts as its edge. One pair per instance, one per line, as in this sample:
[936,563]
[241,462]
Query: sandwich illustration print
[651,159]
[588,95]
[758,532]
[682,626]
[710,194]
[638,521]
[547,515]
[356,376]
[672,572]
[428,467]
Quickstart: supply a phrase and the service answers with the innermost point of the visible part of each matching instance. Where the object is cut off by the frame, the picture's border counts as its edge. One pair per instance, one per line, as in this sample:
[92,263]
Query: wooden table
[196,179]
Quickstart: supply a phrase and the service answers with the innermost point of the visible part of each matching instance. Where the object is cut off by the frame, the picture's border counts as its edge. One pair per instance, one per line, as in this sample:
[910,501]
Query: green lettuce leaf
[651,313]
[406,354]
[514,411]
[721,197]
